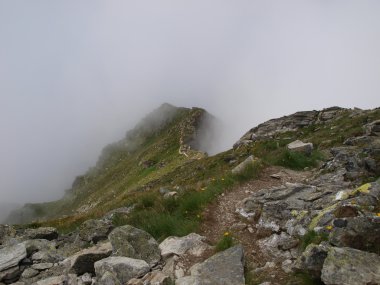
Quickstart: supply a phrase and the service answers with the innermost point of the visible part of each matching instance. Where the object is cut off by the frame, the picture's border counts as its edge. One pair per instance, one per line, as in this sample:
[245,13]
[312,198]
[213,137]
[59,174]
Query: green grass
[313,237]
[225,242]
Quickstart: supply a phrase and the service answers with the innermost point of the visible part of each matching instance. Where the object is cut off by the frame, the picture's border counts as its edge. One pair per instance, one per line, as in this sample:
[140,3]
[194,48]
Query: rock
[312,259]
[223,268]
[299,146]
[84,260]
[124,268]
[42,266]
[11,256]
[361,233]
[152,278]
[10,275]
[34,245]
[270,247]
[58,280]
[131,242]
[373,128]
[95,230]
[29,273]
[108,279]
[350,266]
[192,243]
[48,233]
[242,166]
[86,279]
[6,232]
[171,194]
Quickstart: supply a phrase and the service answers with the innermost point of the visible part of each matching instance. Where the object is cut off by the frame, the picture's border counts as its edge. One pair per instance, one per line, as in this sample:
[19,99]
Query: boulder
[131,242]
[242,166]
[299,146]
[95,230]
[350,266]
[361,233]
[11,256]
[192,243]
[84,260]
[223,268]
[123,268]
[312,259]
[29,273]
[48,233]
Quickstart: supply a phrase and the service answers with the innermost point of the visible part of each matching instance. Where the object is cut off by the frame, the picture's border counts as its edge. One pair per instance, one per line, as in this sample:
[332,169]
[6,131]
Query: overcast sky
[75,75]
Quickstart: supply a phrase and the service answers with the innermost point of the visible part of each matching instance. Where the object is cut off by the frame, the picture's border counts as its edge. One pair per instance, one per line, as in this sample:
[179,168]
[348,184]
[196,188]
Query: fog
[76,75]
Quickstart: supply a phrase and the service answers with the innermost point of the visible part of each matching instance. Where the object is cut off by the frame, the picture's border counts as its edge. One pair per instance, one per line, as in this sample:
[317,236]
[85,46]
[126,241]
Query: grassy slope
[120,179]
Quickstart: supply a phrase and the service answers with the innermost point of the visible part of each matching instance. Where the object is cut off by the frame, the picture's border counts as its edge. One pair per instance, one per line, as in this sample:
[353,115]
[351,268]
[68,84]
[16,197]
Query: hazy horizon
[75,76]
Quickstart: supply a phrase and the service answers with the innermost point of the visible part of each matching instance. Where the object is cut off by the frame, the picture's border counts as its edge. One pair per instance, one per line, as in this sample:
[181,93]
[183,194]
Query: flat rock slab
[83,261]
[224,268]
[351,266]
[11,256]
[58,280]
[192,243]
[124,268]
[300,146]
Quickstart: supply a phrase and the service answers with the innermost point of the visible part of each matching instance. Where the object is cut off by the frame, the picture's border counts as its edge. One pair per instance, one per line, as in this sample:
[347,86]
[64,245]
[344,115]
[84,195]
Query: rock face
[223,268]
[11,256]
[123,268]
[192,243]
[350,266]
[84,260]
[135,243]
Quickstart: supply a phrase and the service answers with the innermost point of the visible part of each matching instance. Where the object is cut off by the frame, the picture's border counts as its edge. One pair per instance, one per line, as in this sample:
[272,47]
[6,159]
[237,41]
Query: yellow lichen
[364,188]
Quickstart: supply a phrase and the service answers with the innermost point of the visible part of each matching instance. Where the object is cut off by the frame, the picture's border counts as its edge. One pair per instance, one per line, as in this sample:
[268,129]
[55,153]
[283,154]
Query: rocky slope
[318,223]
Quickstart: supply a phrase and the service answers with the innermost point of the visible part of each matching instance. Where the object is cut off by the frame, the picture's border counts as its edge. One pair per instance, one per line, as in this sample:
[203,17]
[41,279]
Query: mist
[76,75]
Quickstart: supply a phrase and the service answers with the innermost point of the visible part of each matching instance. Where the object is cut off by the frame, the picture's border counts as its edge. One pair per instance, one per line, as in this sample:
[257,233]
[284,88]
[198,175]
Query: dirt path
[220,216]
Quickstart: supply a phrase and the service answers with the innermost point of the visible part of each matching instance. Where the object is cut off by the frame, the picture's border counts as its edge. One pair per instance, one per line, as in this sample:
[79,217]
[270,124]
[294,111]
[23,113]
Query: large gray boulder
[48,233]
[11,256]
[95,230]
[192,243]
[351,266]
[84,260]
[123,268]
[224,268]
[131,242]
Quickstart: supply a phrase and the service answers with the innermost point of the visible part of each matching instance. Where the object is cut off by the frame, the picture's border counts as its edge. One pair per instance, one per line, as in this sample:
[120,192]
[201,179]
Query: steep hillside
[149,157]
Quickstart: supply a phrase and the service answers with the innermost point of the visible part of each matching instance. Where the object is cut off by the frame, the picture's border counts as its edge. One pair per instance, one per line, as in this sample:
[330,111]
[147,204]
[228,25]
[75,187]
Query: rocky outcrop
[242,166]
[271,128]
[135,243]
